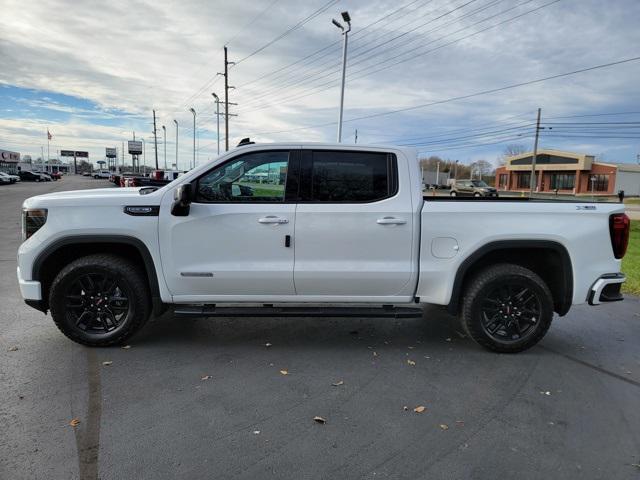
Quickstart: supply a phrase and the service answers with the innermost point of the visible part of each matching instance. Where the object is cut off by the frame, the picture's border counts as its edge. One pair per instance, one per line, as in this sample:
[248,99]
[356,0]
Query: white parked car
[101,174]
[325,224]
[6,178]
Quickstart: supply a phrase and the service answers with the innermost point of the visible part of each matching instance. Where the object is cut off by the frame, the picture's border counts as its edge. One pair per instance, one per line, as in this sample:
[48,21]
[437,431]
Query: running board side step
[269,311]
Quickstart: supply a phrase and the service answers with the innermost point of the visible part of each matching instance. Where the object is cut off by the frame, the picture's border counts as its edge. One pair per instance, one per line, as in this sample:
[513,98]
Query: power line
[305,20]
[464,97]
[330,84]
[251,22]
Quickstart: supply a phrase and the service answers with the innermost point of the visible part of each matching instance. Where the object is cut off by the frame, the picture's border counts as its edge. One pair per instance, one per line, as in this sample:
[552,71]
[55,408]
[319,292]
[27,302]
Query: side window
[254,177]
[352,176]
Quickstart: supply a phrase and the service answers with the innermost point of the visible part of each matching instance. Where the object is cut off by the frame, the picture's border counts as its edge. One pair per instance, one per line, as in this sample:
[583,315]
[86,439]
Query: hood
[97,197]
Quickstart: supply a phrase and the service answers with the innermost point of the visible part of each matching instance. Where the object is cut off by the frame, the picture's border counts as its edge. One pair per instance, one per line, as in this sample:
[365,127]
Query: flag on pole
[48,135]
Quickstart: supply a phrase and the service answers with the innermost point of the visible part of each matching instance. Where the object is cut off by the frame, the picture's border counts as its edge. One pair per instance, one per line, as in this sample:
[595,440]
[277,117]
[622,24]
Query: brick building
[568,172]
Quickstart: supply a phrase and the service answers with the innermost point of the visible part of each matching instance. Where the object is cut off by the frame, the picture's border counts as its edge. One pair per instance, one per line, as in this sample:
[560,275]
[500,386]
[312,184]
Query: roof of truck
[350,146]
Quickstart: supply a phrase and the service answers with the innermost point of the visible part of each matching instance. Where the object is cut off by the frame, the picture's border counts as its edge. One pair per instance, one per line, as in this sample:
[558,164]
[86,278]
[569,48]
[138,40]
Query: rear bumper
[607,289]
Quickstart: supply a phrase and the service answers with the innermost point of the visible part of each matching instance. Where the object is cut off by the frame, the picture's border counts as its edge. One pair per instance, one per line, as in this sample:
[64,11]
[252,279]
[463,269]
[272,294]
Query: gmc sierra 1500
[314,223]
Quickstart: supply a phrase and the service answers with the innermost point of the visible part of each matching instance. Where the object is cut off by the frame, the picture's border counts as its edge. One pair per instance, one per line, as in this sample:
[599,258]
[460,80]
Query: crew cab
[277,227]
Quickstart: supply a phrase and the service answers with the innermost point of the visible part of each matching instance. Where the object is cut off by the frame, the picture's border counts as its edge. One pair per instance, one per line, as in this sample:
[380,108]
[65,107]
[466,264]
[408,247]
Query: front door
[354,226]
[235,242]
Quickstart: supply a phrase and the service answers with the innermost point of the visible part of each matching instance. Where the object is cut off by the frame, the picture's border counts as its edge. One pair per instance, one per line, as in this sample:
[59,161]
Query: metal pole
[438,174]
[217,118]
[155,138]
[176,122]
[345,33]
[356,139]
[144,158]
[226,101]
[192,110]
[164,136]
[533,182]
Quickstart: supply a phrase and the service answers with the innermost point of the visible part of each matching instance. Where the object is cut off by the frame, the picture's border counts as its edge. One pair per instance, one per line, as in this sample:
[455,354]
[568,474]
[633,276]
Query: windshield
[479,183]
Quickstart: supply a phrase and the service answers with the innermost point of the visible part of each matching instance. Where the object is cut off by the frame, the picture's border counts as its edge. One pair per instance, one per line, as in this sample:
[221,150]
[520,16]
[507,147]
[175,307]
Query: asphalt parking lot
[198,398]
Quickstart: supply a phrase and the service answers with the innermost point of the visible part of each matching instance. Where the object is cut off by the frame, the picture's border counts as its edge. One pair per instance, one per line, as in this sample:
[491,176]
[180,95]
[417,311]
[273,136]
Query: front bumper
[607,289]
[29,289]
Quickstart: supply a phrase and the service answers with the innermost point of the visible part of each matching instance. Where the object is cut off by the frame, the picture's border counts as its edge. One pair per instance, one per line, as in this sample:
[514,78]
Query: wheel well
[45,269]
[549,260]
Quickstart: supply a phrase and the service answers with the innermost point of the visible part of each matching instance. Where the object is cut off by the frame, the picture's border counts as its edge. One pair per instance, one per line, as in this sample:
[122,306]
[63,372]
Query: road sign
[111,152]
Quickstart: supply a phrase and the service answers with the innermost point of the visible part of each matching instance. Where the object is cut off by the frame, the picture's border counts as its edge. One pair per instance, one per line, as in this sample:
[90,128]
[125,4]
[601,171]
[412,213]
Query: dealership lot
[237,397]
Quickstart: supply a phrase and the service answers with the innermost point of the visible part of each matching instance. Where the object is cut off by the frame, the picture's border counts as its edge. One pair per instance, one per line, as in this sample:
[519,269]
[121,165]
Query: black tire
[110,318]
[496,302]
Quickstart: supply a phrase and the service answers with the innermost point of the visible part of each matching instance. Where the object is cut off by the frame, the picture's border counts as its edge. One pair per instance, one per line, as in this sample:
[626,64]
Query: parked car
[363,234]
[472,188]
[101,174]
[29,176]
[55,175]
[6,178]
[45,176]
[87,174]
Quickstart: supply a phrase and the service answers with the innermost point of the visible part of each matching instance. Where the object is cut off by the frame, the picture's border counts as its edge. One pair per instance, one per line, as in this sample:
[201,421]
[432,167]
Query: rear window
[352,176]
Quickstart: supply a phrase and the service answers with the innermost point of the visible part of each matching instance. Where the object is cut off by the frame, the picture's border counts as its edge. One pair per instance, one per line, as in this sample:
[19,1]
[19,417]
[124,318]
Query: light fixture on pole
[345,34]
[192,110]
[164,140]
[176,122]
[217,118]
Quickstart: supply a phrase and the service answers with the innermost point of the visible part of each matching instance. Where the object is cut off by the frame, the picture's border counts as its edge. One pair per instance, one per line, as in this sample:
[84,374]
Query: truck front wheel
[100,300]
[507,308]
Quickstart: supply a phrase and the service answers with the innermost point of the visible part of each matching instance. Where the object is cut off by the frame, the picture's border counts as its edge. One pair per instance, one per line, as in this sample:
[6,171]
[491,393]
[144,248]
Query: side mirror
[182,200]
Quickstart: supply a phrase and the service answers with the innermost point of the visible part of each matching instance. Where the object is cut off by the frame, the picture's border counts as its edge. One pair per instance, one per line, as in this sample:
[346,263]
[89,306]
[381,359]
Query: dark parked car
[28,176]
[472,188]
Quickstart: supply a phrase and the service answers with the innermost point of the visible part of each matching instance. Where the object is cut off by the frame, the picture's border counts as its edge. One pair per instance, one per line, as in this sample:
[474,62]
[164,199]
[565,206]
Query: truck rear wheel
[507,308]
[100,300]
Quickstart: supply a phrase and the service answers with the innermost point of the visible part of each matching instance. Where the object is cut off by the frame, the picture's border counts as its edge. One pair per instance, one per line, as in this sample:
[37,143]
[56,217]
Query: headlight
[32,220]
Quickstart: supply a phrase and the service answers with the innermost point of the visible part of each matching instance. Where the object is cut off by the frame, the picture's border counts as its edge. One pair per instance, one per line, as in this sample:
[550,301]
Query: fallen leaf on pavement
[448,339]
[405,408]
[74,423]
[444,426]
[107,363]
[267,344]
[337,384]
[206,377]
[419,409]
[319,419]
[126,347]
[284,372]
[256,432]
[411,348]
[13,349]
[411,362]
[545,393]
[375,354]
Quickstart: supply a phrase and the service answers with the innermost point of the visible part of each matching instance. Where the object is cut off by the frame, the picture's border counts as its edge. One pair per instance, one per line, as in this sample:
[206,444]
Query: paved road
[566,409]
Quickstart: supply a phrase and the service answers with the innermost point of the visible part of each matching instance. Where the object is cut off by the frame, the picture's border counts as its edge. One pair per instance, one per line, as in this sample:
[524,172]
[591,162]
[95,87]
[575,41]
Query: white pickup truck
[278,227]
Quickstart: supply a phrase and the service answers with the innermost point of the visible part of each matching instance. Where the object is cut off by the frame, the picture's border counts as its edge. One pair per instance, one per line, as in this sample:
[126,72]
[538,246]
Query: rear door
[354,225]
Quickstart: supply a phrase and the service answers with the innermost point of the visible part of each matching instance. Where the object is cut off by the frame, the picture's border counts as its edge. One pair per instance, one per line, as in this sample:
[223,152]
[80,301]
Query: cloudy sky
[425,72]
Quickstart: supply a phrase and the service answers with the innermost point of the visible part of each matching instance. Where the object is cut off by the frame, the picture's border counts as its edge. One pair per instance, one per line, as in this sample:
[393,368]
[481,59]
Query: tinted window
[254,177]
[352,176]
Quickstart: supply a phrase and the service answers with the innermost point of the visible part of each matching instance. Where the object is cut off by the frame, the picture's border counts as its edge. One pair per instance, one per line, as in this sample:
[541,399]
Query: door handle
[273,219]
[390,221]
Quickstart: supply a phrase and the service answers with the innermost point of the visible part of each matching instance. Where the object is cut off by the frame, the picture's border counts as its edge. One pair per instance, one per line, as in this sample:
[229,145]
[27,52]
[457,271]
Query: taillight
[619,226]
[32,220]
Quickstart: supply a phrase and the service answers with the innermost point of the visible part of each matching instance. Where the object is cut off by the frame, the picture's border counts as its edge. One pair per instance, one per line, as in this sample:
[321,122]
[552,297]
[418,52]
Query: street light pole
[217,118]
[192,110]
[345,33]
[164,140]
[176,122]
[155,137]
[144,158]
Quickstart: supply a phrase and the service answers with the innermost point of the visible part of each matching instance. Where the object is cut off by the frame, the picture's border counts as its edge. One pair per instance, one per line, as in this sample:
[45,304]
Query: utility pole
[155,137]
[533,182]
[226,101]
[122,156]
[192,110]
[176,122]
[356,139]
[164,136]
[345,34]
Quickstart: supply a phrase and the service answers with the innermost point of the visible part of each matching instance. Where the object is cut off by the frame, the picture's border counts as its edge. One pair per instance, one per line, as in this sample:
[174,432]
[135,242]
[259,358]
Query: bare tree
[511,150]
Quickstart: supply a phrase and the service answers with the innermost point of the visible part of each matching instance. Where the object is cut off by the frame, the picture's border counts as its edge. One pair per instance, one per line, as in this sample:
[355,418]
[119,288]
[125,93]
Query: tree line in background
[478,169]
